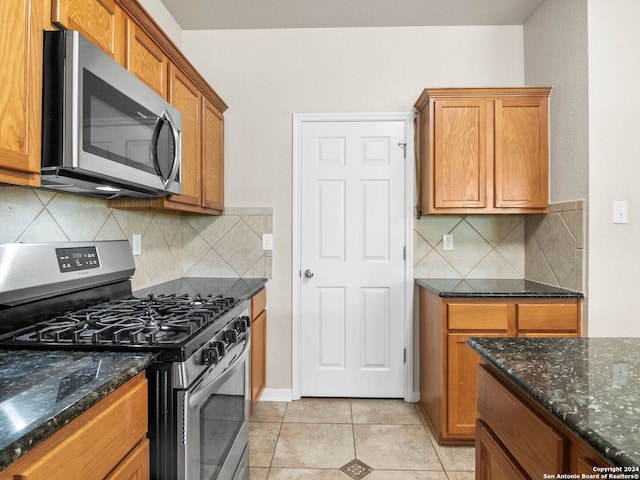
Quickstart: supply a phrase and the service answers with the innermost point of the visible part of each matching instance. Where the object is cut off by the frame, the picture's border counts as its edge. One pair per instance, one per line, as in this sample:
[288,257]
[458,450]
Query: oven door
[215,415]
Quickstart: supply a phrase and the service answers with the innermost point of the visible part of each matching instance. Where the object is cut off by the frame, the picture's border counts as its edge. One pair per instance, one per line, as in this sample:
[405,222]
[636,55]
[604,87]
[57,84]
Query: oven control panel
[77,258]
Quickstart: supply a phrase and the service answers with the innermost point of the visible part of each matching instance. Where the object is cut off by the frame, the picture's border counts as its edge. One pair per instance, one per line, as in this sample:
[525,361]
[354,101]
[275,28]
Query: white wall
[267,75]
[614,166]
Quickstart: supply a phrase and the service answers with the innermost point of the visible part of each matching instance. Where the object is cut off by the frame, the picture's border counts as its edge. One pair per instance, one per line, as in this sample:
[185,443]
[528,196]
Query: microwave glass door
[119,129]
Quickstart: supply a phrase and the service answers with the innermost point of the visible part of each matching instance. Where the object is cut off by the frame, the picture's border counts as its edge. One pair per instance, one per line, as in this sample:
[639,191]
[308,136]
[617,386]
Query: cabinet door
[458,169]
[521,152]
[186,97]
[493,462]
[21,23]
[462,371]
[145,59]
[212,156]
[101,21]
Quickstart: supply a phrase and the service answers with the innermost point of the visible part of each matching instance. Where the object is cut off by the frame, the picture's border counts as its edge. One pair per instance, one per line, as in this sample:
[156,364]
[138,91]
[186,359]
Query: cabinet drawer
[478,316]
[548,317]
[258,302]
[536,446]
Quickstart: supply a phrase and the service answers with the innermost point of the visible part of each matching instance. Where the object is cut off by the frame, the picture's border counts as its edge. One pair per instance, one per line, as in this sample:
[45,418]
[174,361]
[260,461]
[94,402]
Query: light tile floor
[313,439]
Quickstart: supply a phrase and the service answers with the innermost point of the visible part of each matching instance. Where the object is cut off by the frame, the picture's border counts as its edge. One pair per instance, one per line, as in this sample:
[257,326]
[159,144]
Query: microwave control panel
[78,258]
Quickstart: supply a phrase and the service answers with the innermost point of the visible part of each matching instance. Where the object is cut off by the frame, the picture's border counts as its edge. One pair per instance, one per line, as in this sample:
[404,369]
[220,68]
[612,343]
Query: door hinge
[404,253]
[404,356]
[403,146]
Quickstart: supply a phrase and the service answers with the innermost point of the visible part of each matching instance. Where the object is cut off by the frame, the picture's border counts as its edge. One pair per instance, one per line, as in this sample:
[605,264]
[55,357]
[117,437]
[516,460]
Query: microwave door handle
[177,154]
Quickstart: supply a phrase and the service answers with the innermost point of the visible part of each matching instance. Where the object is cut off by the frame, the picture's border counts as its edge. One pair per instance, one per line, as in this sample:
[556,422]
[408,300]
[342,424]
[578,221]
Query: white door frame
[409,209]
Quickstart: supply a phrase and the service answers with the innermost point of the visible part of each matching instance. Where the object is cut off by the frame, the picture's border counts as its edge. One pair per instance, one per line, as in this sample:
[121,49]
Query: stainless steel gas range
[78,296]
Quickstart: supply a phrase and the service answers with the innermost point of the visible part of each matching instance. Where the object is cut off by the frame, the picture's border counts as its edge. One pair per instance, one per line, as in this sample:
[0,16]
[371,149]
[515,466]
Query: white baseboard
[276,395]
[286,395]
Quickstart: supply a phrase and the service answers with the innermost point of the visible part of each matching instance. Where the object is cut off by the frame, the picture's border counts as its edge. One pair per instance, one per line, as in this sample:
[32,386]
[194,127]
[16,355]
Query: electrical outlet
[136,244]
[447,241]
[267,241]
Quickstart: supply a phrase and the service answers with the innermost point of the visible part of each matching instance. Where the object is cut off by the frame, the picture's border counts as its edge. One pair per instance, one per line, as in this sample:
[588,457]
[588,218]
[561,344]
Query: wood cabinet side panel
[258,302]
[258,357]
[432,368]
[94,443]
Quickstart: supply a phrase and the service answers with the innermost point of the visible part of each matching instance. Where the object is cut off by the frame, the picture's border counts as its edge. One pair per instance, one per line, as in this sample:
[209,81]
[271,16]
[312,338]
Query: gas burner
[153,320]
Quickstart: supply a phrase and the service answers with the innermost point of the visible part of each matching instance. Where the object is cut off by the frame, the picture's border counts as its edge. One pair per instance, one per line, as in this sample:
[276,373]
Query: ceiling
[256,14]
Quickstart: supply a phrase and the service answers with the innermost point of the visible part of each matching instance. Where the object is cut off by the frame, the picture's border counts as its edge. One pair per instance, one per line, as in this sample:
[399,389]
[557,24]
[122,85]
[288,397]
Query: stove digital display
[79,258]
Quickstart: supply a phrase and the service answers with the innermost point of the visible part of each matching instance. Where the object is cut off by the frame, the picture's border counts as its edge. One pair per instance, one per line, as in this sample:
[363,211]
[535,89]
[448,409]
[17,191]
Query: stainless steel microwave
[105,133]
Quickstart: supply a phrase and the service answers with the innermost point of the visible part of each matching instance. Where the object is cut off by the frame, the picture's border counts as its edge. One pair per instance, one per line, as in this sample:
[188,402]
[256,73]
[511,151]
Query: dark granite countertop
[242,288]
[591,385]
[507,287]
[41,391]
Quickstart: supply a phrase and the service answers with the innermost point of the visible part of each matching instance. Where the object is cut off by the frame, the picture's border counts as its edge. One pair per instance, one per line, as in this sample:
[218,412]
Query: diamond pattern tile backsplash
[545,248]
[172,246]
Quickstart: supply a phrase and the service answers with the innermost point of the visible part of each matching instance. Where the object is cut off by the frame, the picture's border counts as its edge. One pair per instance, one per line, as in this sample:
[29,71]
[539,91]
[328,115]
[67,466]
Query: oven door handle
[203,391]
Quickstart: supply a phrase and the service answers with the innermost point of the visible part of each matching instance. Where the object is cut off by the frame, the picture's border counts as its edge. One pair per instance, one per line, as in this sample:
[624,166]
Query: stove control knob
[209,355]
[219,347]
[230,336]
[240,325]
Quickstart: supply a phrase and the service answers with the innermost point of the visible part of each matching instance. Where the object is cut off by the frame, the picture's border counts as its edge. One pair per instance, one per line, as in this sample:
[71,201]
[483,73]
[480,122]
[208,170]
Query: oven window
[116,127]
[222,417]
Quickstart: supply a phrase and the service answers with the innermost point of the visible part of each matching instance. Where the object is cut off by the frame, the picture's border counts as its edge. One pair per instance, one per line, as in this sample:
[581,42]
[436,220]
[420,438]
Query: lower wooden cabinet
[493,462]
[517,439]
[448,367]
[108,441]
[258,345]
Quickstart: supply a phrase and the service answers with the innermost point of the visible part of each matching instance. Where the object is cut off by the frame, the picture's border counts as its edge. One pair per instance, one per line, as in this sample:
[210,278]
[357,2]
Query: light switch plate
[447,241]
[267,241]
[136,244]
[620,211]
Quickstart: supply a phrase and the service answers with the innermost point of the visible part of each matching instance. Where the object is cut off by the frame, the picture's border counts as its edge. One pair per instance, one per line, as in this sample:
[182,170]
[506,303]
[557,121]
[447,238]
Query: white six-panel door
[352,240]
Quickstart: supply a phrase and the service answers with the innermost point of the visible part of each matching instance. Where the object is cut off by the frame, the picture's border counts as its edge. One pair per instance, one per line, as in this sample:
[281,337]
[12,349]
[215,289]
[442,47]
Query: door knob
[308,273]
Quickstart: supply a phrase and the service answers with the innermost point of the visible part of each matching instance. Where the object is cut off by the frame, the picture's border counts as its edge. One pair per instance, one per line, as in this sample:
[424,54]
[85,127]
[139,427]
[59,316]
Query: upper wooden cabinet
[202,153]
[145,59]
[152,56]
[483,150]
[101,21]
[21,23]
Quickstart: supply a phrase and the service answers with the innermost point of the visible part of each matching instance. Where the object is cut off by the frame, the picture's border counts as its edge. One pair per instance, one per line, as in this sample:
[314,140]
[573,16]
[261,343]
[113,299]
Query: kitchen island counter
[42,391]
[589,385]
[507,287]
